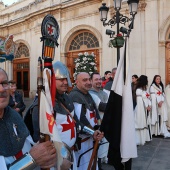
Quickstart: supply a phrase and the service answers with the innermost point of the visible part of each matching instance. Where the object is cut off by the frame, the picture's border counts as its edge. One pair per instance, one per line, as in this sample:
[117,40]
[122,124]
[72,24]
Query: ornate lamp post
[118,18]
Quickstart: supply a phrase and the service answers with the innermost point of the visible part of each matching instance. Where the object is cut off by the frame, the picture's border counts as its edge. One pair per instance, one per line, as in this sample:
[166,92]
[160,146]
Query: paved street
[153,155]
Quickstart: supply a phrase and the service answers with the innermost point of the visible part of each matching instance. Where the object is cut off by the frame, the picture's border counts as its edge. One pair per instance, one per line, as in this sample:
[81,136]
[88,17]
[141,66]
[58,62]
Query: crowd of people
[78,115]
[151,108]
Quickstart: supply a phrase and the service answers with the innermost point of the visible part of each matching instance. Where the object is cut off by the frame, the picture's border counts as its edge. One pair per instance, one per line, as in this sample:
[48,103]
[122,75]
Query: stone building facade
[82,31]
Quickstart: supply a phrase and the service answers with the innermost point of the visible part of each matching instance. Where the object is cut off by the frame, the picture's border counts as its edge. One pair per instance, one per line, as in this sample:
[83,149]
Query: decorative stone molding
[164,28]
[23,42]
[142,5]
[37,29]
[161,43]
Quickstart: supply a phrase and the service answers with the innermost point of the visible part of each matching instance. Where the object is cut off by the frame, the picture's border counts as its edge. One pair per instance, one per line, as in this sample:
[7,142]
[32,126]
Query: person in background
[15,141]
[106,78]
[142,112]
[100,98]
[107,87]
[16,101]
[134,83]
[159,108]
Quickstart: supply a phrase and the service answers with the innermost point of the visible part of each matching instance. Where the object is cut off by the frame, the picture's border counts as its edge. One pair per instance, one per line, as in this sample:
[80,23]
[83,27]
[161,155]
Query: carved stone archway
[164,47]
[81,41]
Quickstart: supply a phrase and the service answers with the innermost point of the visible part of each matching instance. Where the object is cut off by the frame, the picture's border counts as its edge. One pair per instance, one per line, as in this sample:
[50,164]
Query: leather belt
[85,139]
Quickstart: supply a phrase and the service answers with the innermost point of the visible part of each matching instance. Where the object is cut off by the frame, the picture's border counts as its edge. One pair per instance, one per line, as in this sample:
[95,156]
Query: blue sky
[8,2]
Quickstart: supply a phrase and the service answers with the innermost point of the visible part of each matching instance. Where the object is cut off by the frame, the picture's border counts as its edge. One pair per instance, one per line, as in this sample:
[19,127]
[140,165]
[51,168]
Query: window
[85,38]
[22,51]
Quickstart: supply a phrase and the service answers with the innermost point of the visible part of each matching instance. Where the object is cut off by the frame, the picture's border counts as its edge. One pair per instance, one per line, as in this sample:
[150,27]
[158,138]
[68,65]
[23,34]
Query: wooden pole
[93,155]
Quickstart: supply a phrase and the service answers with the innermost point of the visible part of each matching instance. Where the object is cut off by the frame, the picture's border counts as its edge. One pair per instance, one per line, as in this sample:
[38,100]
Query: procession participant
[159,108]
[134,83]
[16,101]
[15,142]
[106,78]
[66,120]
[107,87]
[100,98]
[87,113]
[63,112]
[142,112]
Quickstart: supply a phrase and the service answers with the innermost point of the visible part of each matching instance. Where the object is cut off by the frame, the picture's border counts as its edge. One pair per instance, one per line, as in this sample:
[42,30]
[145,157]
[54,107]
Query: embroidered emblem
[159,93]
[93,115]
[147,95]
[69,126]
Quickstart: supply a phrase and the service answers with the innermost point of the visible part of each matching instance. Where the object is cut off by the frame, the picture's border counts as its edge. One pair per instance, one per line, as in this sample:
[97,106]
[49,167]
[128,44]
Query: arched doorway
[167,53]
[83,41]
[167,62]
[21,66]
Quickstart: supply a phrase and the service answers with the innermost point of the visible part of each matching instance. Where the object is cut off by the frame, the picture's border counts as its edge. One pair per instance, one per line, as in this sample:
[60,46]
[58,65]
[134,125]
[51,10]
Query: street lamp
[119,18]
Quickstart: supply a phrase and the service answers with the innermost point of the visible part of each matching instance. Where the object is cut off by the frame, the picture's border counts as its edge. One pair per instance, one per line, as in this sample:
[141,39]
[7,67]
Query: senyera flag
[118,121]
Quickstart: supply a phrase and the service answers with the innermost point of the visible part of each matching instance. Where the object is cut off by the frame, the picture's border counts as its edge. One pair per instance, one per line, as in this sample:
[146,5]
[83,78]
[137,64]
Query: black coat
[19,100]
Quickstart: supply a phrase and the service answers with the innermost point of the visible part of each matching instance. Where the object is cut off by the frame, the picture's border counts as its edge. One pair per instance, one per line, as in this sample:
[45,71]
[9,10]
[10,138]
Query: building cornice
[58,8]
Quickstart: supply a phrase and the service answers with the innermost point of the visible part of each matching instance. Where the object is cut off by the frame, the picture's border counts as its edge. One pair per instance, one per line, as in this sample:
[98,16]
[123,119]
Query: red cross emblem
[69,126]
[93,115]
[159,93]
[147,95]
[51,122]
[50,29]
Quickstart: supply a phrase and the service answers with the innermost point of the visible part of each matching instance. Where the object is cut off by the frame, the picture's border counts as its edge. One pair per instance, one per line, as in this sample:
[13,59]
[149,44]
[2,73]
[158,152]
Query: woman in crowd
[134,83]
[159,108]
[16,101]
[142,112]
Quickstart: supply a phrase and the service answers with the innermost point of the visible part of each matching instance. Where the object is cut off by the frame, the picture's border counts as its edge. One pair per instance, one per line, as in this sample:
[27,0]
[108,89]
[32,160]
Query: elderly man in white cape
[16,151]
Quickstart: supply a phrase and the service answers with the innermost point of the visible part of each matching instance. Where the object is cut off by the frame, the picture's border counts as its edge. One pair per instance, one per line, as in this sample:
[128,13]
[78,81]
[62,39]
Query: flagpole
[50,34]
[124,75]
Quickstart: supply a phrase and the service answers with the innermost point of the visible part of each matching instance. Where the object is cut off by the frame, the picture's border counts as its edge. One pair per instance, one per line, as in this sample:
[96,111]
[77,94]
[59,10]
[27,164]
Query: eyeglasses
[5,85]
[13,86]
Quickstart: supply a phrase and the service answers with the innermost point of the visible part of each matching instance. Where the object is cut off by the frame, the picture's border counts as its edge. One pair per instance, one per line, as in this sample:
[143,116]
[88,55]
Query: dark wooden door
[21,75]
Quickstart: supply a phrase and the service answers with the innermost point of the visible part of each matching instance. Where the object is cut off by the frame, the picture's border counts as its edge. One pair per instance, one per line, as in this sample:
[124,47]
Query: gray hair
[113,69]
[1,69]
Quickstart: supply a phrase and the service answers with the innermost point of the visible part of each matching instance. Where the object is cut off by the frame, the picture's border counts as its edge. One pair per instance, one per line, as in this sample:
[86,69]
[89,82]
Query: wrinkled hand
[44,154]
[65,165]
[149,108]
[98,135]
[160,104]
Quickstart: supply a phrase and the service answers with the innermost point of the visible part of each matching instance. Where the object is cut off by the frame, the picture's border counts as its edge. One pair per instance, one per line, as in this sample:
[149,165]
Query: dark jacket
[108,85]
[19,100]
